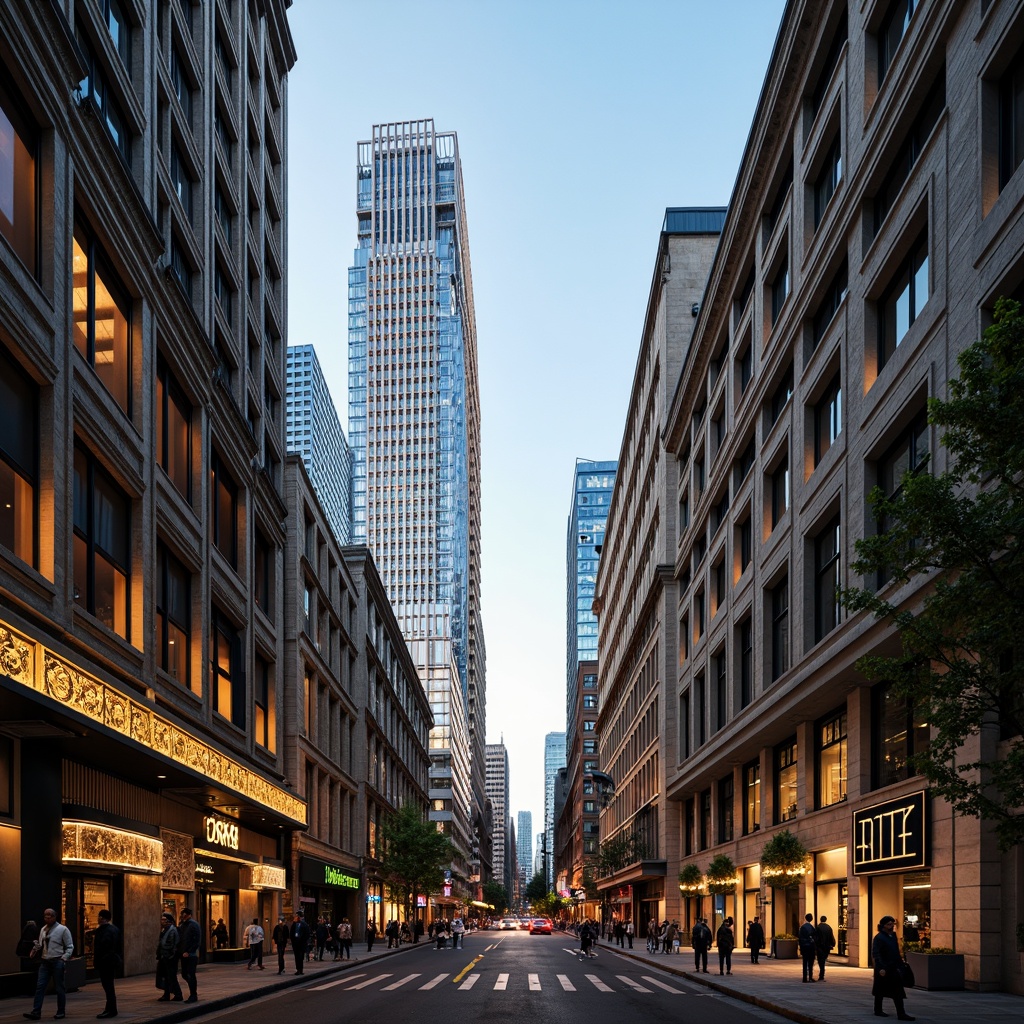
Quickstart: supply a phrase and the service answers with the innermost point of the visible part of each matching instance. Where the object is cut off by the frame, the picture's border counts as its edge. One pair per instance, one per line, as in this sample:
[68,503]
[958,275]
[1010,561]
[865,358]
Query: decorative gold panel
[86,843]
[179,860]
[264,876]
[76,690]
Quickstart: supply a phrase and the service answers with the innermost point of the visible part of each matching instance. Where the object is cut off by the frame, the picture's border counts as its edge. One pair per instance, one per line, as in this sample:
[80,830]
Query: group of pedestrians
[815,941]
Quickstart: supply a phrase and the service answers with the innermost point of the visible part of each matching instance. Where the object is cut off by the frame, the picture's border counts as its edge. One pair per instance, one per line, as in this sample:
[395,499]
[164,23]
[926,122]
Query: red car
[540,926]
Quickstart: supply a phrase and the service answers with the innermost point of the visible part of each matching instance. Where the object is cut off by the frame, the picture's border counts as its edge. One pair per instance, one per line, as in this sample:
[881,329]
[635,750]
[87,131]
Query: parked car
[541,926]
[508,924]
[524,924]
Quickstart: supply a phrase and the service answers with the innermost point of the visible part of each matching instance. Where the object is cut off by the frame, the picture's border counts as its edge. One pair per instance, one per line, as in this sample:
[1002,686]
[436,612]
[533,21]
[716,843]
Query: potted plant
[785,946]
[690,880]
[937,968]
[783,860]
[721,875]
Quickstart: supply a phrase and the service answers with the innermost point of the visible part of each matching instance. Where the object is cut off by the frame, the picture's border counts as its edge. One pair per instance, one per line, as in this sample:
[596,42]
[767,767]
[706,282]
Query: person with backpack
[700,937]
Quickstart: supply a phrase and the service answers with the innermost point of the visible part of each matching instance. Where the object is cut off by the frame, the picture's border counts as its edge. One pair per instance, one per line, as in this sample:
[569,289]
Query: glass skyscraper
[524,846]
[554,758]
[314,432]
[414,429]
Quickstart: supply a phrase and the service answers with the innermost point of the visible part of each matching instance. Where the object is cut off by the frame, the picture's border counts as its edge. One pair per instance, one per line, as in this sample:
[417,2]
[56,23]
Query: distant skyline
[579,123]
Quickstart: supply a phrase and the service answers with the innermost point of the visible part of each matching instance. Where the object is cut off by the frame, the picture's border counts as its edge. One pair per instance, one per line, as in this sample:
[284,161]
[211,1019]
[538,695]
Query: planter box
[785,949]
[229,955]
[943,972]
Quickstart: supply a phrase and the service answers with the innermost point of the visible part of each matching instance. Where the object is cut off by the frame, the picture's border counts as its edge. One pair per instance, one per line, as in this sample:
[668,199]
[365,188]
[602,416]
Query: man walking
[700,937]
[255,936]
[629,933]
[824,944]
[280,938]
[107,953]
[755,939]
[190,938]
[167,959]
[53,950]
[299,934]
[807,939]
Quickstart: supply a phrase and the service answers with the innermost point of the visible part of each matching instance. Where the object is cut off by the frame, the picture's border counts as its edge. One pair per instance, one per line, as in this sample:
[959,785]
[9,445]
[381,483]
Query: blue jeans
[50,969]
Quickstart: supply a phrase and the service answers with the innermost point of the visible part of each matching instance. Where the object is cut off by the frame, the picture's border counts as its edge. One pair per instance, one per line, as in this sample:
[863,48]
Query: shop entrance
[216,911]
[82,898]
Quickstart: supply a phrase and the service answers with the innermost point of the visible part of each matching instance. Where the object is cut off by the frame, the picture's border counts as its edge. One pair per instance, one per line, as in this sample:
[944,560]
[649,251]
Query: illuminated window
[173,431]
[785,782]
[751,797]
[227,678]
[174,618]
[19,178]
[265,723]
[900,732]
[223,511]
[827,579]
[903,300]
[832,770]
[19,447]
[828,420]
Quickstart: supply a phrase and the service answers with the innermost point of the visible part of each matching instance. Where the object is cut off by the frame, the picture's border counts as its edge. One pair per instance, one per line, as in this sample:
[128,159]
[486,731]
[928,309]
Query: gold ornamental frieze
[85,843]
[32,665]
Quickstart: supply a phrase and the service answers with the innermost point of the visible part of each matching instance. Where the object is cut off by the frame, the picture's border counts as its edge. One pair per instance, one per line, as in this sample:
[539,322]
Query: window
[891,32]
[780,290]
[907,156]
[775,210]
[780,491]
[720,511]
[782,395]
[223,511]
[700,710]
[698,613]
[828,419]
[590,746]
[264,705]
[181,183]
[720,585]
[689,828]
[1011,120]
[745,463]
[173,431]
[830,304]
[119,29]
[746,367]
[180,86]
[96,86]
[102,528]
[828,69]
[745,637]
[832,769]
[19,458]
[903,300]
[590,807]
[227,677]
[684,512]
[102,317]
[698,475]
[721,691]
[684,726]
[705,819]
[590,679]
[745,537]
[181,266]
[827,580]
[751,797]
[780,628]
[829,177]
[785,781]
[19,179]
[908,454]
[589,726]
[174,618]
[263,573]
[222,289]
[590,700]
[900,732]
[725,809]
[223,212]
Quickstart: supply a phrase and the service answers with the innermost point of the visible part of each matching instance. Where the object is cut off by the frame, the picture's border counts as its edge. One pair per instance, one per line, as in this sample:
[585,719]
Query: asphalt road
[501,976]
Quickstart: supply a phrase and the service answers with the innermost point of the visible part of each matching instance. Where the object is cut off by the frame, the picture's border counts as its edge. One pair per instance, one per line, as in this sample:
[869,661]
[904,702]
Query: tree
[962,657]
[413,856]
[537,888]
[497,895]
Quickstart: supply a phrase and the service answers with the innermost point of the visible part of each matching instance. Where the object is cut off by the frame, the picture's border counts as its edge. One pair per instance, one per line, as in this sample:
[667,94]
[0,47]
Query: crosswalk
[503,982]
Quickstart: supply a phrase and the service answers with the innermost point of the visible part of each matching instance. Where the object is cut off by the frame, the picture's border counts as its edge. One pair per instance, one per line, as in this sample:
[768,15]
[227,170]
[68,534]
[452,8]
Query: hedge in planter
[783,860]
[938,969]
[721,875]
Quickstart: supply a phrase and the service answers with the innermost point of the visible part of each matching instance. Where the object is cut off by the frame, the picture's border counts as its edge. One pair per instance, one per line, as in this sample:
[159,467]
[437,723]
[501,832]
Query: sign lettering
[221,833]
[335,876]
[890,836]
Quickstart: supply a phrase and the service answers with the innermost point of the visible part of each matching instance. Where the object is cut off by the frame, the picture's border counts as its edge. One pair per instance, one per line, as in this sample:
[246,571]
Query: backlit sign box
[892,836]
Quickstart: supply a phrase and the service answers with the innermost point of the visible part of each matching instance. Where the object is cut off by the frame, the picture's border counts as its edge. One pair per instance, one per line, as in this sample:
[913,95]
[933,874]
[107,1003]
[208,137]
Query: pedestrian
[886,960]
[321,938]
[280,940]
[755,939]
[700,937]
[458,934]
[345,939]
[299,935]
[587,932]
[190,938]
[106,947]
[619,933]
[371,934]
[254,937]
[52,949]
[725,940]
[220,934]
[667,937]
[807,939]
[167,960]
[629,933]
[824,944]
[29,934]
[417,930]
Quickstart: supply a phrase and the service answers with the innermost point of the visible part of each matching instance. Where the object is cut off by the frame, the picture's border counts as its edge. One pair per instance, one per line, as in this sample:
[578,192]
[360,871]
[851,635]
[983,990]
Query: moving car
[541,926]
[508,924]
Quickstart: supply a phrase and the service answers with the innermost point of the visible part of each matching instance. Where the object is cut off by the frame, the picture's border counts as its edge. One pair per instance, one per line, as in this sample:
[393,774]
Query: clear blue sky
[579,122]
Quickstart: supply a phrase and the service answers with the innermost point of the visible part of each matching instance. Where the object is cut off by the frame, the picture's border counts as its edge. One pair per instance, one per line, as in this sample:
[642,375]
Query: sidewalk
[844,997]
[218,986]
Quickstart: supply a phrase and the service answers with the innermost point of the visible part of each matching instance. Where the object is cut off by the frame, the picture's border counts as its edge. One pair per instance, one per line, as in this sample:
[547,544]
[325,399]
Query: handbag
[906,974]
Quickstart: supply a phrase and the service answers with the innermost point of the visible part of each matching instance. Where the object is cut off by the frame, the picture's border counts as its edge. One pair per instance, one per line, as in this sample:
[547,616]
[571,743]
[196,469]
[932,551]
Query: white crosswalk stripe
[434,982]
[501,983]
[662,985]
[469,982]
[534,982]
[400,983]
[566,983]
[598,983]
[340,981]
[635,985]
[369,982]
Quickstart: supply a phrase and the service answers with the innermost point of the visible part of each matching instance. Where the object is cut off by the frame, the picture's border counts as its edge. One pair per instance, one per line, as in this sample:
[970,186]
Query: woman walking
[885,956]
[726,942]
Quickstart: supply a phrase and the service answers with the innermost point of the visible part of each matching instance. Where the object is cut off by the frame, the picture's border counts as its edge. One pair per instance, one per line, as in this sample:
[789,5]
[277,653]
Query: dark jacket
[755,936]
[190,937]
[807,937]
[167,947]
[885,956]
[299,934]
[107,946]
[826,940]
[725,940]
[701,937]
[281,934]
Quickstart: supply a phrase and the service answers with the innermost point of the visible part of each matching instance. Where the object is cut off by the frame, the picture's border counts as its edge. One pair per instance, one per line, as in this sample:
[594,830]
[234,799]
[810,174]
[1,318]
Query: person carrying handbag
[887,963]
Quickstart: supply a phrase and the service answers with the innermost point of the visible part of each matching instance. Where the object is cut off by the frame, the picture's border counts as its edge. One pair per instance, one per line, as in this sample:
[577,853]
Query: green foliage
[783,860]
[785,935]
[548,905]
[962,657]
[497,895]
[721,875]
[691,877]
[413,856]
[621,850]
[536,888]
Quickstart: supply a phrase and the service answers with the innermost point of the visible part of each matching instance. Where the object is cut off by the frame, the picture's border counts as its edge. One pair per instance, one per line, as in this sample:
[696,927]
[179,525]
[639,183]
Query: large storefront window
[831,892]
[751,797]
[900,732]
[785,781]
[82,899]
[907,897]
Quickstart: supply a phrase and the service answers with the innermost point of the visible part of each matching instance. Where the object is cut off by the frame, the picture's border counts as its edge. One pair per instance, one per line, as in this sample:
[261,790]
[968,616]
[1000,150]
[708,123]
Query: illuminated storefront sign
[88,844]
[891,836]
[264,877]
[220,832]
[319,872]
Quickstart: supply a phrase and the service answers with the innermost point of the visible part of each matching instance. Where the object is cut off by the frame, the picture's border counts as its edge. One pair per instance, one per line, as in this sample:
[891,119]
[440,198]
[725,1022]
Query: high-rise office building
[554,758]
[414,429]
[497,793]
[524,846]
[314,432]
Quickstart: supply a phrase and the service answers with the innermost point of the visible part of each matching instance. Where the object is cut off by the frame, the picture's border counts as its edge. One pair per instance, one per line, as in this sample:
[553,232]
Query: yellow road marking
[465,970]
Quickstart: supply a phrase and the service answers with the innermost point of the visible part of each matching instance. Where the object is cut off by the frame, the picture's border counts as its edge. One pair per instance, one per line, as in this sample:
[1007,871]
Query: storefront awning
[482,906]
